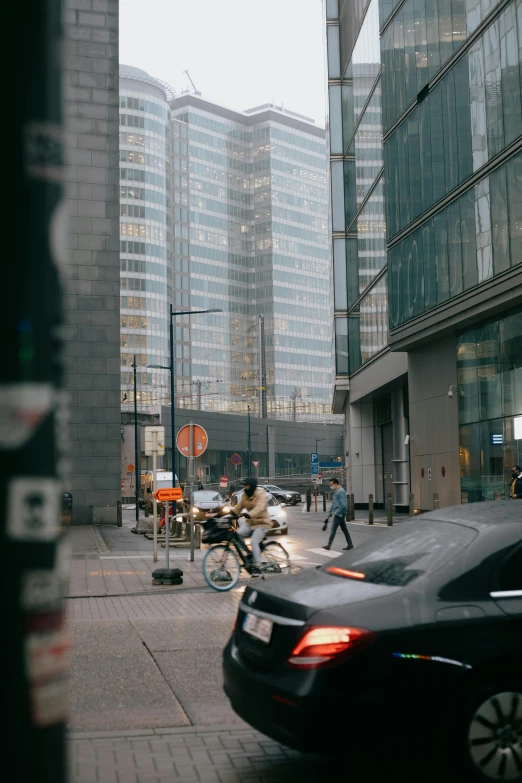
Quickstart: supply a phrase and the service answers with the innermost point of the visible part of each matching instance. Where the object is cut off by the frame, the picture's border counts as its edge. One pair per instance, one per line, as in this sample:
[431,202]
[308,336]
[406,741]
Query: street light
[171,368]
[137,458]
[318,440]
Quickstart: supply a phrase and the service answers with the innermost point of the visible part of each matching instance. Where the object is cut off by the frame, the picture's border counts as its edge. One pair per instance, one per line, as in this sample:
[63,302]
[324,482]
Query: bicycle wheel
[276,558]
[221,567]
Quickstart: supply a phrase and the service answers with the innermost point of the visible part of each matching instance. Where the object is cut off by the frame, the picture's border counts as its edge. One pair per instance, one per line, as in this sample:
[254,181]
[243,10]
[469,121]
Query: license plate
[258,627]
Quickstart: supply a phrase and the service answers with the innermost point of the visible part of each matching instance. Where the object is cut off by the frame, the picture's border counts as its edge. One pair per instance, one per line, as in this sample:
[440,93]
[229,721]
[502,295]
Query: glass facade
[146,277]
[358,215]
[489,366]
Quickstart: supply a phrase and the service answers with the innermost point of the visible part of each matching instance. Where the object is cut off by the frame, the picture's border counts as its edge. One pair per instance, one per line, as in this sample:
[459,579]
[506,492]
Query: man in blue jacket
[338,511]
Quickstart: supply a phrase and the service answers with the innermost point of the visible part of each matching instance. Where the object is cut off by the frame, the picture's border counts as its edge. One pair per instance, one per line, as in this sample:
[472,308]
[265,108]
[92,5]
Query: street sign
[320,476]
[130,468]
[314,458]
[154,441]
[235,459]
[168,493]
[200,440]
[223,481]
[255,463]
[315,478]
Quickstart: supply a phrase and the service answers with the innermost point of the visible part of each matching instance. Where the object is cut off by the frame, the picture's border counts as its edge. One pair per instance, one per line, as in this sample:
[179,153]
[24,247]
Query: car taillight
[327,646]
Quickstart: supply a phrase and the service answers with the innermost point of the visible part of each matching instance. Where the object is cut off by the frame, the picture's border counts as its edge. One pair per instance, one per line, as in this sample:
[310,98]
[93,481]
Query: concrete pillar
[400,449]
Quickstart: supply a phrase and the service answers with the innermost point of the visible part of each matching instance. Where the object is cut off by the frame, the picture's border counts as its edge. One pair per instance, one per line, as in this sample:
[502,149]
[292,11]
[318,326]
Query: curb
[101,546]
[75,736]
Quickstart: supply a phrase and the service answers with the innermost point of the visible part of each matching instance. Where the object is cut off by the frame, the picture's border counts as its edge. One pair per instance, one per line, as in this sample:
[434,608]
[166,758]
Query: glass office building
[425,109]
[227,210]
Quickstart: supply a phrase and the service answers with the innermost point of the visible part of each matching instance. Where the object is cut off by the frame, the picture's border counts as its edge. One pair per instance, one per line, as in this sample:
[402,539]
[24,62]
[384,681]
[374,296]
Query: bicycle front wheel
[276,557]
[221,568]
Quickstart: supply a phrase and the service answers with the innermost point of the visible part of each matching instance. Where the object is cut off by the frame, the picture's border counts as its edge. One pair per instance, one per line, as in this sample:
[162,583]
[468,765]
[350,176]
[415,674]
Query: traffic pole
[154,509]
[191,478]
[31,396]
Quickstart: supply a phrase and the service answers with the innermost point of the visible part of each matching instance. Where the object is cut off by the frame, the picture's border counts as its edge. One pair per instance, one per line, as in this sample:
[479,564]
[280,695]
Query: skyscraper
[426,120]
[238,223]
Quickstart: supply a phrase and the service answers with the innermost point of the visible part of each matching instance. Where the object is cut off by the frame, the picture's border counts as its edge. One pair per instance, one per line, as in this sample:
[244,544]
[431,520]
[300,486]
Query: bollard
[370,509]
[412,504]
[308,499]
[119,515]
[497,496]
[435,501]
[389,509]
[324,501]
[464,497]
[352,508]
[315,499]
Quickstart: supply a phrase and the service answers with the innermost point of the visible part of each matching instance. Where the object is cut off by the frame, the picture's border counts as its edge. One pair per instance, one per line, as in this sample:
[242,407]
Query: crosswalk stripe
[325,552]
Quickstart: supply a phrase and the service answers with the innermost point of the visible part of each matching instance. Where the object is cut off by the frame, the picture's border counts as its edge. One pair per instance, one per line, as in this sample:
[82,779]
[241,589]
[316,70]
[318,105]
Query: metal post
[172,400]
[370,509]
[154,507]
[352,508]
[389,509]
[308,499]
[412,505]
[324,501]
[136,446]
[167,531]
[435,501]
[34,416]
[249,445]
[191,498]
[315,497]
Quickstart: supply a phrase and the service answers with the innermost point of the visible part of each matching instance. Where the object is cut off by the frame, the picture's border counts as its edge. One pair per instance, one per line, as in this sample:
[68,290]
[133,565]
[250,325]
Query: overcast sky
[240,53]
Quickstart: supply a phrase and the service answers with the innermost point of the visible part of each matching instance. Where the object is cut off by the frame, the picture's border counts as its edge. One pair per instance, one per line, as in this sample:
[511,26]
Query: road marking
[298,557]
[304,508]
[325,552]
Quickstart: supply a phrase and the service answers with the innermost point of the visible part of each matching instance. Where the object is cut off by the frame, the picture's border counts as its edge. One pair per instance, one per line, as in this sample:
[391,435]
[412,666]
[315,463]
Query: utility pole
[137,471]
[35,648]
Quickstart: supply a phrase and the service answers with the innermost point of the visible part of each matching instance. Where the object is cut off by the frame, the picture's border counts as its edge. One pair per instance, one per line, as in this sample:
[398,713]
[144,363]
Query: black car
[282,495]
[420,629]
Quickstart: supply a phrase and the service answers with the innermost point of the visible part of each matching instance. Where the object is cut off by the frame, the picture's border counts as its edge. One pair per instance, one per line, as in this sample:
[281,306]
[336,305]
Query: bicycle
[222,563]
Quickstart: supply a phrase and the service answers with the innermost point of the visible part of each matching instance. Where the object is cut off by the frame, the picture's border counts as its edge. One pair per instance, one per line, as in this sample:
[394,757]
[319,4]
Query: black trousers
[340,522]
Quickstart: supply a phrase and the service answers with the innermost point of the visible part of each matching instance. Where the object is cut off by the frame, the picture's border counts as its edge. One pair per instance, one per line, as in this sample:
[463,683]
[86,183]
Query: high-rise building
[425,110]
[227,210]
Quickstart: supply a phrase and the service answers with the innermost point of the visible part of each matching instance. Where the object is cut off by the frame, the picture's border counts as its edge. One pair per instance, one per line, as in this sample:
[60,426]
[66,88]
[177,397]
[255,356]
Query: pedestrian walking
[338,510]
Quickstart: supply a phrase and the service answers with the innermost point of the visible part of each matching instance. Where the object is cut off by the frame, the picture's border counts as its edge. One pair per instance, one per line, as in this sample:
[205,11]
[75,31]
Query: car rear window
[398,557]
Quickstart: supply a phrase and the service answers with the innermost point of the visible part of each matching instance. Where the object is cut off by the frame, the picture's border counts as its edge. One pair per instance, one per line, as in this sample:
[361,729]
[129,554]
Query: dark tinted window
[402,555]
[511,574]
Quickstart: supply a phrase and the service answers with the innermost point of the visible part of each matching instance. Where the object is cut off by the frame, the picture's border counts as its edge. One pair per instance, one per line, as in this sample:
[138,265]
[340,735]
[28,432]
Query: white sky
[240,53]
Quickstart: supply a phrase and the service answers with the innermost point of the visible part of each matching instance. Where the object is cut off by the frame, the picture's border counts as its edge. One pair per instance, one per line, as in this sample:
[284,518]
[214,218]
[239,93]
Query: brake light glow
[345,572]
[327,646]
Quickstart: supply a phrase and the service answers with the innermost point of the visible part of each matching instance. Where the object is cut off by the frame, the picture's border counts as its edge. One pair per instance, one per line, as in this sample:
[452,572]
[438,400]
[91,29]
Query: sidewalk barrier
[389,509]
[464,497]
[352,508]
[412,504]
[119,514]
[435,501]
[497,496]
[370,509]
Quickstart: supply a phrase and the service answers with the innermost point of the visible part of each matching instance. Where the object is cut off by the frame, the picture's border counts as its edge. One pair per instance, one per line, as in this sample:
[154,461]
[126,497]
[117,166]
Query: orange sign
[199,440]
[130,468]
[168,493]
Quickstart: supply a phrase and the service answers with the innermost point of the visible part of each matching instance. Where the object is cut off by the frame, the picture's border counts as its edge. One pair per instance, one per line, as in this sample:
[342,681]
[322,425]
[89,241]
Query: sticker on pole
[255,463]
[33,508]
[199,440]
[223,482]
[235,459]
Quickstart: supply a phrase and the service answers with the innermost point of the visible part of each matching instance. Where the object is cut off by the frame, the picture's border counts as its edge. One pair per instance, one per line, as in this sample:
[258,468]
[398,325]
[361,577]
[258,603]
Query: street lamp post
[137,471]
[318,440]
[249,445]
[172,314]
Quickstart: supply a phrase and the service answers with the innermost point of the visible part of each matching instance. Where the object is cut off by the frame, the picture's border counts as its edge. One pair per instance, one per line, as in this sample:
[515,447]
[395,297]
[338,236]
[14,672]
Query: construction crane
[196,91]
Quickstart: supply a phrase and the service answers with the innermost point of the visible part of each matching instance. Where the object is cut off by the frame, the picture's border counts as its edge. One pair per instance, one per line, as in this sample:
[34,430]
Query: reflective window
[489,374]
[368,325]
[476,237]
[365,62]
[341,346]
[368,146]
[419,40]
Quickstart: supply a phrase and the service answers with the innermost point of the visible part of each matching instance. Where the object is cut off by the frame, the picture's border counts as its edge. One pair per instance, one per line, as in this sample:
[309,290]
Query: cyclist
[253,507]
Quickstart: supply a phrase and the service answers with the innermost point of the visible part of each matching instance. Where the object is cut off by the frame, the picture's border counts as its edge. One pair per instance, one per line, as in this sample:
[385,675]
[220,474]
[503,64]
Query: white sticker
[41,591]
[23,407]
[32,508]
